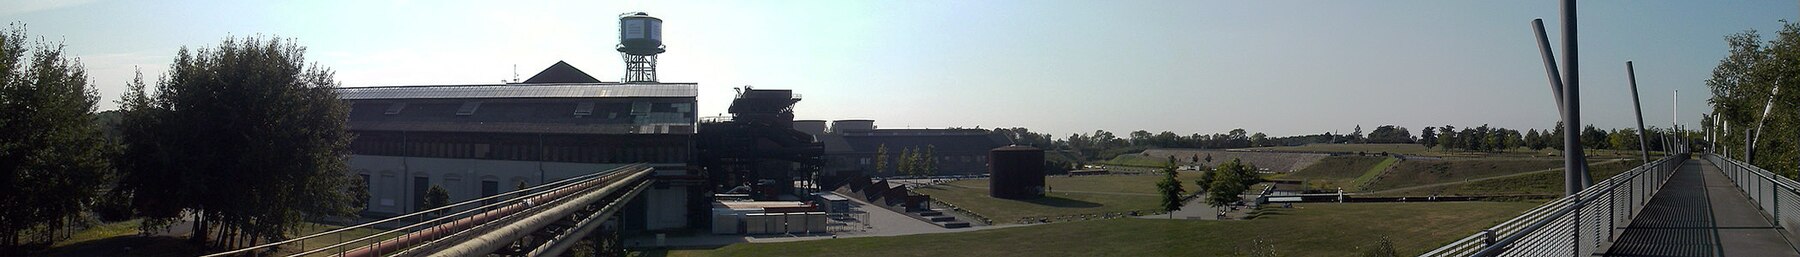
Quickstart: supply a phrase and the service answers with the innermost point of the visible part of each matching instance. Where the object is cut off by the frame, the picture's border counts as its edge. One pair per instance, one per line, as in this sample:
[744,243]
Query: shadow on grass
[1059,202]
[128,245]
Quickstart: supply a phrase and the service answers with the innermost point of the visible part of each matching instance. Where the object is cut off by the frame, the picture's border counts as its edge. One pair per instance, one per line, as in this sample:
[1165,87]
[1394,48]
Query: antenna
[515,73]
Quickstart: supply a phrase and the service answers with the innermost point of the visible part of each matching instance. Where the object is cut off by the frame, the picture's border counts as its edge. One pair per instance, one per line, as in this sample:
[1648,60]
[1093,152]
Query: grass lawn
[1068,196]
[1367,148]
[1425,172]
[1137,160]
[1316,229]
[112,239]
[1336,171]
[1543,182]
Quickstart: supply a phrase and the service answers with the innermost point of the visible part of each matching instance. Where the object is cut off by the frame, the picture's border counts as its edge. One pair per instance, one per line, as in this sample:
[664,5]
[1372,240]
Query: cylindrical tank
[640,34]
[812,127]
[1016,172]
[841,126]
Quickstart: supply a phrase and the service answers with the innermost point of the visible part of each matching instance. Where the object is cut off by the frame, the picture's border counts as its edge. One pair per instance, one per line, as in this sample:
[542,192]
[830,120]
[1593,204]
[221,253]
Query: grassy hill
[1424,172]
[1068,196]
[1349,148]
[1336,171]
[1542,182]
[1319,229]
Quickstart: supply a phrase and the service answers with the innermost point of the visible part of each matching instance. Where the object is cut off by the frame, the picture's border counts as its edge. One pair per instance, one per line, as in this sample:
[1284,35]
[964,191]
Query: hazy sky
[1282,67]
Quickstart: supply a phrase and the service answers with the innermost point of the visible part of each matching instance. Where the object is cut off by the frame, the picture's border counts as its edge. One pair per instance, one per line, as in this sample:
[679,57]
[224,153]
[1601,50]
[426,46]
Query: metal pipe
[492,240]
[558,245]
[1636,104]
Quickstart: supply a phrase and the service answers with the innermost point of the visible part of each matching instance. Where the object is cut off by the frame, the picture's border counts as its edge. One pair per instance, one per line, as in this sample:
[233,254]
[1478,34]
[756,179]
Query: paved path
[1700,213]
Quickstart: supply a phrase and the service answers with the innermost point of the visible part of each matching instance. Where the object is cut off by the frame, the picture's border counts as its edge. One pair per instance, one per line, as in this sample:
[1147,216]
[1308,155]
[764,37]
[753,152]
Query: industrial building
[851,147]
[485,139]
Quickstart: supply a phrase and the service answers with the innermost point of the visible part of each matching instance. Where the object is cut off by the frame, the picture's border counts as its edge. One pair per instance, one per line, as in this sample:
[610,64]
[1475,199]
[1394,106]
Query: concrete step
[958,224]
[931,213]
[941,218]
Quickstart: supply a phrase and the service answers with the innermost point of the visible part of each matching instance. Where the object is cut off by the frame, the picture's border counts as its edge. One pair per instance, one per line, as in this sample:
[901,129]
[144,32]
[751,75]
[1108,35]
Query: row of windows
[526,152]
[941,159]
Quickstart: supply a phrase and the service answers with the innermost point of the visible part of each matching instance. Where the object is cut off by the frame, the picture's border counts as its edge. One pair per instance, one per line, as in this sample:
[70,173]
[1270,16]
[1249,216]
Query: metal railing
[489,208]
[1777,196]
[1575,225]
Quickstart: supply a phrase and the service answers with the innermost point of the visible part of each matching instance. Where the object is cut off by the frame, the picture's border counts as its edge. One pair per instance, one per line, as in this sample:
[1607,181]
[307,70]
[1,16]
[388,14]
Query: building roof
[567,90]
[561,72]
[945,140]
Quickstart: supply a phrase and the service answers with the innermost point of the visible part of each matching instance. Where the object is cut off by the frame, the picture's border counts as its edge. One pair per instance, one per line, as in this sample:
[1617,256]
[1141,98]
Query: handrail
[1600,199]
[515,197]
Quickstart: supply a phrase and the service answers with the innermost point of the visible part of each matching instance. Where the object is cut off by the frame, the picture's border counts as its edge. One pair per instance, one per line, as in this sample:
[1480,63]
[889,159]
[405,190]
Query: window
[865,161]
[468,108]
[584,109]
[395,108]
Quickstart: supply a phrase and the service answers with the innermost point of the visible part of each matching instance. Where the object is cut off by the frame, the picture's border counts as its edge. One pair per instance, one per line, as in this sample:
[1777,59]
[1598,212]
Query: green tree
[905,163]
[928,162]
[1534,140]
[1229,180]
[1170,189]
[436,197]
[881,159]
[1756,75]
[53,154]
[1428,137]
[245,135]
[1623,139]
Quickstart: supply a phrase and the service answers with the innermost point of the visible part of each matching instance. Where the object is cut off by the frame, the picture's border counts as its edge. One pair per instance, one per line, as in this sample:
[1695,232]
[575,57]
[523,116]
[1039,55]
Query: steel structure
[640,40]
[1575,225]
[538,221]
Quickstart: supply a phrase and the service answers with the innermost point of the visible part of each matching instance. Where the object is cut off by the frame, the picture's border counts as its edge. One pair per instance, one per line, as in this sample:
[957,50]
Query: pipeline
[442,230]
[505,235]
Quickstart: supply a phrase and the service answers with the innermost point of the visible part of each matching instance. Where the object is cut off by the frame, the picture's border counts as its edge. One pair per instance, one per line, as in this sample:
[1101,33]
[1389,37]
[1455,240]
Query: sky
[1062,67]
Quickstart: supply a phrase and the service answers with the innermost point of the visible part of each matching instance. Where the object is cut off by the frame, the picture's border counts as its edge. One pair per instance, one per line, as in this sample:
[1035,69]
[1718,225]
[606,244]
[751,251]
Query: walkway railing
[422,227]
[1575,225]
[1777,196]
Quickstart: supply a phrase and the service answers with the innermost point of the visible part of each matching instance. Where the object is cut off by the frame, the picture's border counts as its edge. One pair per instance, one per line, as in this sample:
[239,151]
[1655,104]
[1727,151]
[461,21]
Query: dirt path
[1478,179]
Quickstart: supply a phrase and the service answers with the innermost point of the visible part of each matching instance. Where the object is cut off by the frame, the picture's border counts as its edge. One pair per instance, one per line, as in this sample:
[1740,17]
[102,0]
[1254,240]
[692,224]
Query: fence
[1575,225]
[350,241]
[1777,196]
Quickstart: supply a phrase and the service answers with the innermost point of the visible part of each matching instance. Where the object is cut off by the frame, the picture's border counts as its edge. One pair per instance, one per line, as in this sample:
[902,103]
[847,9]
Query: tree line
[1494,139]
[1747,92]
[244,139]
[1102,144]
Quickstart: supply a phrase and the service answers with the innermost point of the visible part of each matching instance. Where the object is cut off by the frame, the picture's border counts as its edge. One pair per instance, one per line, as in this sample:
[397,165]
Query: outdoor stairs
[938,218]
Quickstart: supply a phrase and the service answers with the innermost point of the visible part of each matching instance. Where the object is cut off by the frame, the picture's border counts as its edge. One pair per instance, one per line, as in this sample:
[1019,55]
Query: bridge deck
[1700,213]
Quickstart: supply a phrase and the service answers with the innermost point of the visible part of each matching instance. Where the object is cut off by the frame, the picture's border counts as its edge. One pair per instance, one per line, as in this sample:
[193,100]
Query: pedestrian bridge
[1711,206]
[545,220]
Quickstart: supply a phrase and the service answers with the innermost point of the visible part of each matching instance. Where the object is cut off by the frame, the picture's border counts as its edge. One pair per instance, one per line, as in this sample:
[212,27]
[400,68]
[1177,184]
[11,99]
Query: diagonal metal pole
[1643,146]
[1574,173]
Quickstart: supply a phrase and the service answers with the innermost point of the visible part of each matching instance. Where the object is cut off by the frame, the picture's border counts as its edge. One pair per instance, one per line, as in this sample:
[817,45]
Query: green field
[113,239]
[1543,182]
[1425,172]
[1068,196]
[1318,229]
[1340,148]
[1137,160]
[1337,171]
